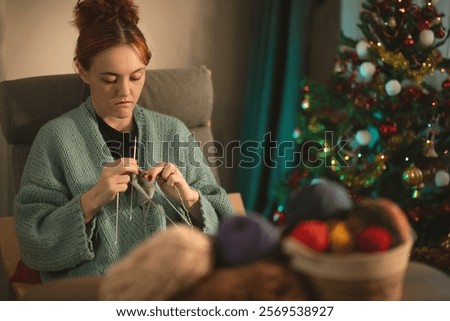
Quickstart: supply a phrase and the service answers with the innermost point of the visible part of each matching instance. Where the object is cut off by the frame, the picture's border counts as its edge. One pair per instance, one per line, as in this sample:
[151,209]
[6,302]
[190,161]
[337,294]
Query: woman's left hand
[169,178]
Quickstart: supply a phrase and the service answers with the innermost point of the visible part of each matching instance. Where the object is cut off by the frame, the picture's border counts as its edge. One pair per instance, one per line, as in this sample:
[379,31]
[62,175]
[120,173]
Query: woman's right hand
[114,179]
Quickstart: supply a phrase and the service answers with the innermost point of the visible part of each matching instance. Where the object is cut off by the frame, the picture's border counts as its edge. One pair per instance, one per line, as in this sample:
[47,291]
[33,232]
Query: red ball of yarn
[312,233]
[374,239]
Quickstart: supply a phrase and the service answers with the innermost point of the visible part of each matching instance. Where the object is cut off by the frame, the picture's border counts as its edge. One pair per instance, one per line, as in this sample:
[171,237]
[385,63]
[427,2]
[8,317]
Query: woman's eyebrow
[108,73]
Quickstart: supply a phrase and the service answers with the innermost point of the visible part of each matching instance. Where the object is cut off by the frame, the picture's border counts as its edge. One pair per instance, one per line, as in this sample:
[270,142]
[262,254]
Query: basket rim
[351,266]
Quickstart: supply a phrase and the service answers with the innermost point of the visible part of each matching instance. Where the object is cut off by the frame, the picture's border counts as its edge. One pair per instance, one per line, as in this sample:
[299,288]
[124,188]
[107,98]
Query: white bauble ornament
[393,87]
[362,49]
[363,137]
[366,70]
[426,38]
[442,178]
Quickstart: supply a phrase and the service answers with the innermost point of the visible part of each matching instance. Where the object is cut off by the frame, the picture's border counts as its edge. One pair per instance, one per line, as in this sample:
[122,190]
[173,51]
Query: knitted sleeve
[49,221]
[214,202]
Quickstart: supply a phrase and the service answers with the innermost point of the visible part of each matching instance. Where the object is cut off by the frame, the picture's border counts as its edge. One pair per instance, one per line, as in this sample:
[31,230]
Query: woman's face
[115,78]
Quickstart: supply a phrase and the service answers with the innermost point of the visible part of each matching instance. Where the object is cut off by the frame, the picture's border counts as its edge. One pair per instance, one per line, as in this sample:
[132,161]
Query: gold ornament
[413,175]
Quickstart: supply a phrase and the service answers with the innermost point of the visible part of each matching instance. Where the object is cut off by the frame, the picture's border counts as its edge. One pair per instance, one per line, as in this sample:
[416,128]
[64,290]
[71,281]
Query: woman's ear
[82,72]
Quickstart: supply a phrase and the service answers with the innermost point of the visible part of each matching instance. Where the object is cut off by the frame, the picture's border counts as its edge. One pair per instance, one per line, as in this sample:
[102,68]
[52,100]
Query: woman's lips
[124,103]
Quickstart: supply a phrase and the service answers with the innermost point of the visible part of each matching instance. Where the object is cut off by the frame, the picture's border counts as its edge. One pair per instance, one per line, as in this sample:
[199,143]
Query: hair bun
[97,11]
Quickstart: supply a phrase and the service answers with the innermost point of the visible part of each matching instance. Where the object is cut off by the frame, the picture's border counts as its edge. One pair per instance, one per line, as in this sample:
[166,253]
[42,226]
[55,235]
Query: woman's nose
[123,88]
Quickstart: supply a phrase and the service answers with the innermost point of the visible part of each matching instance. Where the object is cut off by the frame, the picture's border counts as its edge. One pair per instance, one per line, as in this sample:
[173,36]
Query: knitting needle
[131,201]
[117,217]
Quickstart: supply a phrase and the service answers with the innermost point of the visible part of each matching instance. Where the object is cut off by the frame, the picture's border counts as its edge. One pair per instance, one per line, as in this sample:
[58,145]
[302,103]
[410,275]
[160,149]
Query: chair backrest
[27,104]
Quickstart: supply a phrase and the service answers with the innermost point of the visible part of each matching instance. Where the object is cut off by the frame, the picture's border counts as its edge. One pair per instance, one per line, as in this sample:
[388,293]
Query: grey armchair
[26,104]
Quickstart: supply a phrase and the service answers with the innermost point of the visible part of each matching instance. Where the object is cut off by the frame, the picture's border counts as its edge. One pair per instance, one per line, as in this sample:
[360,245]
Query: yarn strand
[178,212]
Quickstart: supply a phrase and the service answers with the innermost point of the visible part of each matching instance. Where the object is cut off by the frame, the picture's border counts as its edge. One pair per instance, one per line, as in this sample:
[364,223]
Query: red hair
[103,24]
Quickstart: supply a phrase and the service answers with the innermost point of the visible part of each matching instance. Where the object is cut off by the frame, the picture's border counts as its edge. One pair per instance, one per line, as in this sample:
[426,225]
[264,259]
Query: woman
[76,212]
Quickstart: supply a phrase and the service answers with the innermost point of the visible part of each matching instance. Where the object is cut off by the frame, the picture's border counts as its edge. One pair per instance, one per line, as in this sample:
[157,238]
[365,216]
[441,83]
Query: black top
[120,144]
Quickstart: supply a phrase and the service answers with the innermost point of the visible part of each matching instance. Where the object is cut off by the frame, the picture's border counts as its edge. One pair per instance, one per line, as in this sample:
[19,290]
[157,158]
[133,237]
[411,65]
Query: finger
[169,169]
[153,172]
[121,188]
[172,180]
[123,179]
[115,164]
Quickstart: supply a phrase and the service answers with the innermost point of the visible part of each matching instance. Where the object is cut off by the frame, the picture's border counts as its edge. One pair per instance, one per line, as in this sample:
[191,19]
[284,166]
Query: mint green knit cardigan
[66,160]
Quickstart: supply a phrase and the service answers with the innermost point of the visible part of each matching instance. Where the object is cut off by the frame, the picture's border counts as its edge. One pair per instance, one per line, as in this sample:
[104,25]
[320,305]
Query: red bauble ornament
[278,218]
[388,129]
[414,214]
[312,233]
[414,92]
[440,33]
[427,24]
[374,239]
[446,84]
[409,41]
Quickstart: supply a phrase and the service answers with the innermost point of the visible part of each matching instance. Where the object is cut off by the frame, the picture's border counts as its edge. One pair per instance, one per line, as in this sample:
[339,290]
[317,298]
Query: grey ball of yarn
[323,199]
[244,239]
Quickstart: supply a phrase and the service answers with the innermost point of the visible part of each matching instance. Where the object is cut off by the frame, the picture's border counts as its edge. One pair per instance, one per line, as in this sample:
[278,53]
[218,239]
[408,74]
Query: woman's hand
[169,178]
[114,179]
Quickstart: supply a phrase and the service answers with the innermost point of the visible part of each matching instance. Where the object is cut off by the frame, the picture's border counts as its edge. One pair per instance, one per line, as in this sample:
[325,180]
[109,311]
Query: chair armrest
[10,254]
[237,203]
[9,245]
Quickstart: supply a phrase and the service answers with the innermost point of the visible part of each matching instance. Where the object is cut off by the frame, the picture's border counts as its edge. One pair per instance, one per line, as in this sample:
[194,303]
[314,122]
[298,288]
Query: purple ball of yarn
[244,239]
[322,200]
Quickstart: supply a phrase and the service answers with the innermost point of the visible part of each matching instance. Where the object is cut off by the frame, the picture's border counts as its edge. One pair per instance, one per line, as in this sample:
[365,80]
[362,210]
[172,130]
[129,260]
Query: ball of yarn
[167,263]
[313,233]
[244,239]
[374,239]
[322,200]
[383,212]
[341,238]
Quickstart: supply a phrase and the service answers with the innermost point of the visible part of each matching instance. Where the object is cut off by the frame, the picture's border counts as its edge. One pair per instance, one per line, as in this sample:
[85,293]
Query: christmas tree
[379,126]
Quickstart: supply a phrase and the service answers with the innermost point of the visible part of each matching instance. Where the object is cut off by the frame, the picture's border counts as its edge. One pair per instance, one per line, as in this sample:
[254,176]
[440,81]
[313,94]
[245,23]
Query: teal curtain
[276,65]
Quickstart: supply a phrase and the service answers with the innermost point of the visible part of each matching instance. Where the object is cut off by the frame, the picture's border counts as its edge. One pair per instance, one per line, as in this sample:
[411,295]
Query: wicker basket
[357,276]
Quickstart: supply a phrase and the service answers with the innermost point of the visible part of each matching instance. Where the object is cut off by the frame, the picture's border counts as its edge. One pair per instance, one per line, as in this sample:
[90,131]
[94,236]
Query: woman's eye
[135,78]
[109,81]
